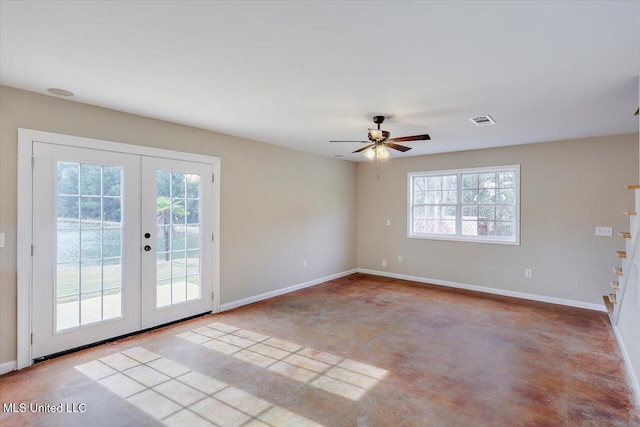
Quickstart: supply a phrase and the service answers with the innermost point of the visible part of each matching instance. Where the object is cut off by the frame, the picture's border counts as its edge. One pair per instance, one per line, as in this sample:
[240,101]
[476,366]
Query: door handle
[147,248]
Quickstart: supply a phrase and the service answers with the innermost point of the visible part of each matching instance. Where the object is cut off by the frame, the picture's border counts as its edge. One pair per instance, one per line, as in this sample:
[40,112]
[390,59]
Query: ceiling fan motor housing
[383,137]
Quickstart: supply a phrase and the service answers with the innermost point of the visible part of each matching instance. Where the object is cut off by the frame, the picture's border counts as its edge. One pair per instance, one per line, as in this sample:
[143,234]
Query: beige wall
[567,188]
[278,205]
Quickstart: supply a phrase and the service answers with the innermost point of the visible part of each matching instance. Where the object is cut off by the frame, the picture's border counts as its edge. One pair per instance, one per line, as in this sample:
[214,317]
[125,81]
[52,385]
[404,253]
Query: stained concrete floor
[356,351]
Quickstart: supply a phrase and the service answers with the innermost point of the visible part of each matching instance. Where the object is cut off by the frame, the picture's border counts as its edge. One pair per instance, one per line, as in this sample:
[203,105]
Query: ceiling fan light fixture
[370,153]
[382,153]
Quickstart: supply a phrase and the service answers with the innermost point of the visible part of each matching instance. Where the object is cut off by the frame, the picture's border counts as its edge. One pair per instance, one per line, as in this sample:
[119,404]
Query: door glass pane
[178,216]
[89,244]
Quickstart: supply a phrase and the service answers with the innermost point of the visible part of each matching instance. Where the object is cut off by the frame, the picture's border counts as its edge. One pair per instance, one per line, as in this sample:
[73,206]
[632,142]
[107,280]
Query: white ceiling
[298,74]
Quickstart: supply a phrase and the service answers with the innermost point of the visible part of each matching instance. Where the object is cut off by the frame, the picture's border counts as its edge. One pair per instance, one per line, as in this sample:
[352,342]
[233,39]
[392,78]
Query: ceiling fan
[379,141]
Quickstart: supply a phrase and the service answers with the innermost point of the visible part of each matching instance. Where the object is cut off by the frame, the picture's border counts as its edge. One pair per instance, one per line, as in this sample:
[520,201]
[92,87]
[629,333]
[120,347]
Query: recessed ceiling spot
[482,121]
[59,92]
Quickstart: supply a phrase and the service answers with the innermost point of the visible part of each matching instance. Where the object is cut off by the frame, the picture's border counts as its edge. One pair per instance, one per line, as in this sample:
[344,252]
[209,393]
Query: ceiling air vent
[482,121]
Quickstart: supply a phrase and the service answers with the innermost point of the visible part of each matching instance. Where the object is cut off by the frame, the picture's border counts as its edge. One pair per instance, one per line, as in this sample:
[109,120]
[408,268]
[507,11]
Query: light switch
[1,240]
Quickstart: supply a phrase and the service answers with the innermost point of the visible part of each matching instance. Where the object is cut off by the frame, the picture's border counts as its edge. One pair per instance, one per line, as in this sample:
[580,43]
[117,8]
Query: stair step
[630,213]
[625,234]
[612,298]
[607,304]
[617,271]
[621,254]
[615,285]
[633,187]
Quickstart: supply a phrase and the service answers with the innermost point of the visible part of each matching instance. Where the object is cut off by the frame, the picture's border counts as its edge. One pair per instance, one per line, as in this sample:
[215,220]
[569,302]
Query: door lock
[147,248]
[147,235]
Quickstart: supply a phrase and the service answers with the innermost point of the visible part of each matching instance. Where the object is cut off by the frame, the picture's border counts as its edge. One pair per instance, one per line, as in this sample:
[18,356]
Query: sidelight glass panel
[178,238]
[88,244]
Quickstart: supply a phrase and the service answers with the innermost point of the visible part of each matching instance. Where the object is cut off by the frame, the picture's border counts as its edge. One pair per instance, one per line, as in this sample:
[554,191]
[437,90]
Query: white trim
[466,239]
[117,147]
[633,379]
[216,236]
[25,200]
[26,138]
[267,295]
[494,291]
[7,367]
[459,237]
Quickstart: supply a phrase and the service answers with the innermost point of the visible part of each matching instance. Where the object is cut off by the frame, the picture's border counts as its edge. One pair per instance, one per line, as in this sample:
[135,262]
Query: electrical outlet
[604,231]
[528,273]
[304,263]
[384,262]
[399,258]
[388,222]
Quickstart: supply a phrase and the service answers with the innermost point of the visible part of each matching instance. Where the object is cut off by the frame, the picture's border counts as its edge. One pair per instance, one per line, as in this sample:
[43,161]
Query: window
[470,205]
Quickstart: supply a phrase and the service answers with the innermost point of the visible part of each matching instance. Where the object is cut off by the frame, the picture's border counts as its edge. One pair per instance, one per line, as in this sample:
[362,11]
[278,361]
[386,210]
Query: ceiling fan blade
[364,148]
[364,142]
[397,147]
[411,138]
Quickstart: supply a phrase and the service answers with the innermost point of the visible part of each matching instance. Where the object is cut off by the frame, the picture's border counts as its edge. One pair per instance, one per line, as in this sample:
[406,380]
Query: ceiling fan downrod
[378,120]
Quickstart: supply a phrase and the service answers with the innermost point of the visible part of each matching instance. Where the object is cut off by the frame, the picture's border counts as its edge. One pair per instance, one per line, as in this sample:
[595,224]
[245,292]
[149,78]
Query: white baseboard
[267,295]
[8,367]
[627,360]
[495,291]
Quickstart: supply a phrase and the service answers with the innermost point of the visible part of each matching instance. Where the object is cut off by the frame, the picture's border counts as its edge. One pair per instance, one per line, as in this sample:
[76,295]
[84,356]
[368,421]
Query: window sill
[464,239]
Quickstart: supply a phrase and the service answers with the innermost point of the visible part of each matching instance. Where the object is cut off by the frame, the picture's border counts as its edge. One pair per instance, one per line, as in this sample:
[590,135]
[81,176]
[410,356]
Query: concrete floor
[356,351]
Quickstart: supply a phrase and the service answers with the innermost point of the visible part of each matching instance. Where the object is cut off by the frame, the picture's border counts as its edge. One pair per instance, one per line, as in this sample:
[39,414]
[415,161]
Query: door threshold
[119,337]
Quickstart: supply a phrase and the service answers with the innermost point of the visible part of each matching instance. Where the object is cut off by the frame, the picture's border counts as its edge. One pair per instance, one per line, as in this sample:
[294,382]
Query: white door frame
[26,137]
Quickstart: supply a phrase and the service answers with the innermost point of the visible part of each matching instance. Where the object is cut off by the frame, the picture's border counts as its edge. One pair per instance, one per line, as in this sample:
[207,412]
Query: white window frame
[458,237]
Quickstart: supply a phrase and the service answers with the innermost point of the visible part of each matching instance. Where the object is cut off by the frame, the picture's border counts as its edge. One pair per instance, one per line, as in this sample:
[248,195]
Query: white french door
[86,257]
[177,240]
[121,242]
